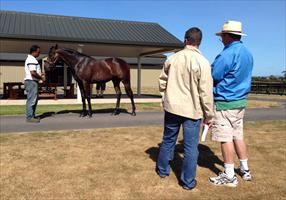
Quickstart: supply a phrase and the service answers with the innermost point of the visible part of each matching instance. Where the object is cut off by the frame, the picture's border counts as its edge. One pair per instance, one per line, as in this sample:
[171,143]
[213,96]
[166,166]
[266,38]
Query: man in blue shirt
[231,72]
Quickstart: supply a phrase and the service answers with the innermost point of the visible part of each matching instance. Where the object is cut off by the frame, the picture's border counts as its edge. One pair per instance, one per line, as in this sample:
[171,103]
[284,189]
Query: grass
[262,104]
[267,96]
[144,90]
[20,109]
[41,109]
[119,164]
[155,91]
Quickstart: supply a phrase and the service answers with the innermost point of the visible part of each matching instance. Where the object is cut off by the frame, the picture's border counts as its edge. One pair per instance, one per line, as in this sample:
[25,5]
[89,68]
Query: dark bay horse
[87,70]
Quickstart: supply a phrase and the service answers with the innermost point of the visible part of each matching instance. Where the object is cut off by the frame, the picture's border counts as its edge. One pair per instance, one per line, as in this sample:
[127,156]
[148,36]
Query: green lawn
[41,109]
[267,96]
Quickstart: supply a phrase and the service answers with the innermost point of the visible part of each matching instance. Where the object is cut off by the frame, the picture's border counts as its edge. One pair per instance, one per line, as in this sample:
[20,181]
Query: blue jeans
[191,129]
[32,98]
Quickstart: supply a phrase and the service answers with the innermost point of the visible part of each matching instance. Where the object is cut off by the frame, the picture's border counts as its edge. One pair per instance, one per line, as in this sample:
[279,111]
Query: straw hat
[233,27]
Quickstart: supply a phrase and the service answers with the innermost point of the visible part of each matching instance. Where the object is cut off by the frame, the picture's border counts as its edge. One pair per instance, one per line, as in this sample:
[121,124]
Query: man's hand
[208,122]
[162,100]
[43,77]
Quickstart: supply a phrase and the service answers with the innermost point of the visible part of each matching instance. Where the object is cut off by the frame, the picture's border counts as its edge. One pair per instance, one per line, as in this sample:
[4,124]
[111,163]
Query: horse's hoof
[82,115]
[133,113]
[116,112]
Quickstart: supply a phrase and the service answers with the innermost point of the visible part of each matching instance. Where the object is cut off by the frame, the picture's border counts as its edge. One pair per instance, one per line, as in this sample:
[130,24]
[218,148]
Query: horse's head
[52,56]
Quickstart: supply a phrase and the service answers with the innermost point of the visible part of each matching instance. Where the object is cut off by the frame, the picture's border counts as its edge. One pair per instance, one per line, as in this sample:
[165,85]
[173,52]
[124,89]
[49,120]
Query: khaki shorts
[228,125]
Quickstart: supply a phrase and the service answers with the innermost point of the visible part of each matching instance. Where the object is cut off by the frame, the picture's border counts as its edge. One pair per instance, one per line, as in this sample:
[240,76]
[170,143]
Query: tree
[284,74]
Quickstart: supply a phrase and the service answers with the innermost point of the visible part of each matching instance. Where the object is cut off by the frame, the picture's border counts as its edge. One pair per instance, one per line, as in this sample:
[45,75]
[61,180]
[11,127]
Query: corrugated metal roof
[22,25]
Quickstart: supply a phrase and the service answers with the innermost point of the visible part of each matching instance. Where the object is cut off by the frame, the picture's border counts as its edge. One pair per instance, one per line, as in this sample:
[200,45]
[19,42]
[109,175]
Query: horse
[87,70]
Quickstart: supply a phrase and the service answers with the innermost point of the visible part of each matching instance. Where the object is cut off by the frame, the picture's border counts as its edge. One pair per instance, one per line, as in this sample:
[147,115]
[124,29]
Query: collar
[29,55]
[190,47]
[233,43]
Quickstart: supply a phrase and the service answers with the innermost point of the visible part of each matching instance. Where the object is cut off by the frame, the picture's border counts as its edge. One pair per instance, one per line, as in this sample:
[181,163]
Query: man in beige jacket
[186,87]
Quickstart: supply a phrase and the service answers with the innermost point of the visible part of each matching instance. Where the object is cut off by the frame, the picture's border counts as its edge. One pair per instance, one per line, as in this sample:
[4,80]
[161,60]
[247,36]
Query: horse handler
[33,75]
[186,87]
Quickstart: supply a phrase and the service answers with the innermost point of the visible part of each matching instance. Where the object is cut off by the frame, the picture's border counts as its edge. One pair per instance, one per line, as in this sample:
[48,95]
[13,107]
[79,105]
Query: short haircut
[194,36]
[234,36]
[34,48]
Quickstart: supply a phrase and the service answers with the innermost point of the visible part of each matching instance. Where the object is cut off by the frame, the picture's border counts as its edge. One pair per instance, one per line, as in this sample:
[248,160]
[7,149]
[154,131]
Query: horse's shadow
[206,159]
[47,114]
[99,111]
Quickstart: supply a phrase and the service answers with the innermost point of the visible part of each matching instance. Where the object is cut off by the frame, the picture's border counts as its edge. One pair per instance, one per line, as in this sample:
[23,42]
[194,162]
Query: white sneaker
[245,174]
[223,179]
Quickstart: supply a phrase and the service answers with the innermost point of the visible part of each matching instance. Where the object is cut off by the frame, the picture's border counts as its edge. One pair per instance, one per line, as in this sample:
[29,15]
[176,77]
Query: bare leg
[240,149]
[97,93]
[227,150]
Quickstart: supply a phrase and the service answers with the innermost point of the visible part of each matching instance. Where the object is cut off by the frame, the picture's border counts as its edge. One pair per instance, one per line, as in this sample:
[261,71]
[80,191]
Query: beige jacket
[186,84]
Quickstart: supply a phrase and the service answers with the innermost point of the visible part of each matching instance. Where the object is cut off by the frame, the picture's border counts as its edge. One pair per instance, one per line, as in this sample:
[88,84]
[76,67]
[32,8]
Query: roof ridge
[75,17]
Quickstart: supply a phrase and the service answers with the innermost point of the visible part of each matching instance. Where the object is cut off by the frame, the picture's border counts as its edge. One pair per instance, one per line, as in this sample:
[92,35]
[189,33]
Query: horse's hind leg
[118,95]
[129,93]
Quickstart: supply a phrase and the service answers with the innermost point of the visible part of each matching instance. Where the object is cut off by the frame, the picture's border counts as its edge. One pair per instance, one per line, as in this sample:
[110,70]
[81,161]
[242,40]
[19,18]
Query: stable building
[141,44]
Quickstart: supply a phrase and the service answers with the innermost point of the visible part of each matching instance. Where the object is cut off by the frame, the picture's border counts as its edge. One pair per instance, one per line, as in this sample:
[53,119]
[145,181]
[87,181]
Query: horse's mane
[75,52]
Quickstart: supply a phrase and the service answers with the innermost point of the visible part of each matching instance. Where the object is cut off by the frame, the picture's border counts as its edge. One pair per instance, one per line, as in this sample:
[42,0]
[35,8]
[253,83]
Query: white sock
[229,170]
[243,164]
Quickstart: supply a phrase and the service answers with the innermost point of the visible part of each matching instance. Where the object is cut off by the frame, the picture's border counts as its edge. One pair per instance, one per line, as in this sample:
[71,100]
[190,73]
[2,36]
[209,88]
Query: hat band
[231,31]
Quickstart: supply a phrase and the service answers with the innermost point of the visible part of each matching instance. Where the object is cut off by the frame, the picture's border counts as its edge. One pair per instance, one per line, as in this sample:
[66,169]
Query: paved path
[68,121]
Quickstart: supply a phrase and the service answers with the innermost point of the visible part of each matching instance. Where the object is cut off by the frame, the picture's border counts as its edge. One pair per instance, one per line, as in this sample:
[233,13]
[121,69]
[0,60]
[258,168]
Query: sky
[264,21]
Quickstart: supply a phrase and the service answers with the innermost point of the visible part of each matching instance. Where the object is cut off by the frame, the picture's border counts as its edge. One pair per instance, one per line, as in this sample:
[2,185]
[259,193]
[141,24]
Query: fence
[258,87]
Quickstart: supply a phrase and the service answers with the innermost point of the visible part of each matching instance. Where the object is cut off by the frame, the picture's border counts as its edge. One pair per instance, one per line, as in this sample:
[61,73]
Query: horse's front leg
[89,106]
[83,112]
[82,91]
[87,88]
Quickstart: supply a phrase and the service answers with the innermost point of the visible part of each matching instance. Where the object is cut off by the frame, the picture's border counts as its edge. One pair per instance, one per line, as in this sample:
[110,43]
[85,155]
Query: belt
[32,80]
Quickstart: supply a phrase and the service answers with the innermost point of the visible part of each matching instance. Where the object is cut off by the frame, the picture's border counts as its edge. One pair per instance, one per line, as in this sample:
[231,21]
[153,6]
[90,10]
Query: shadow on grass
[99,111]
[206,159]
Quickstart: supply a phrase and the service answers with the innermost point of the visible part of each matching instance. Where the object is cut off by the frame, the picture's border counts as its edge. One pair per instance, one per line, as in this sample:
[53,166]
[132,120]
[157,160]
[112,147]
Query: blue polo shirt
[231,72]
